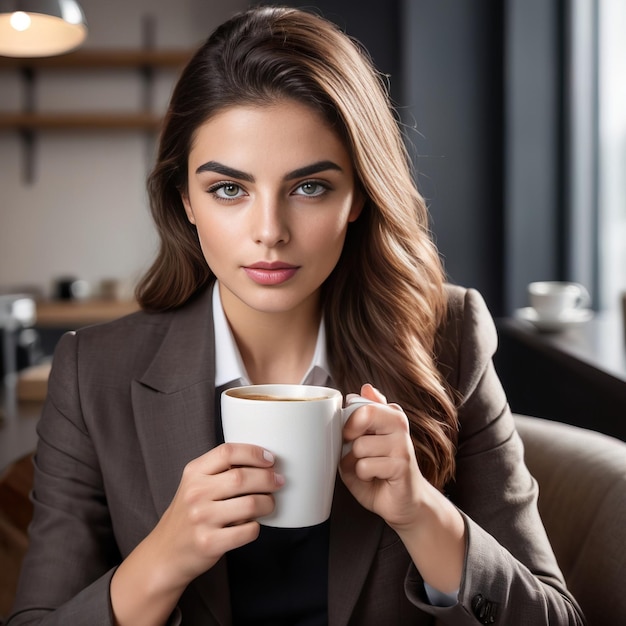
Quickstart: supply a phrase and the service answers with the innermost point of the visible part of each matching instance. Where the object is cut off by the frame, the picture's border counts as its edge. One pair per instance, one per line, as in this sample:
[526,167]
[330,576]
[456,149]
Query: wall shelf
[92,59]
[89,121]
[29,120]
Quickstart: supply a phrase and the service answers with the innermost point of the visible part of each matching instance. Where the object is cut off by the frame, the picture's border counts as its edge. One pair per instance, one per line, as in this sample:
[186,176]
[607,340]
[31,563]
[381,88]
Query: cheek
[333,222]
[335,231]
[212,246]
[327,239]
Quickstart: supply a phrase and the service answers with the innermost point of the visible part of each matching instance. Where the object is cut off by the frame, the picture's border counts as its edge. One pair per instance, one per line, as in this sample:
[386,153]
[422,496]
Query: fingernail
[279,479]
[268,456]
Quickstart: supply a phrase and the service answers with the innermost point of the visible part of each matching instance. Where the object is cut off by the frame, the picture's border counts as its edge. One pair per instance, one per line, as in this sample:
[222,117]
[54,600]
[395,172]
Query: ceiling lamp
[40,28]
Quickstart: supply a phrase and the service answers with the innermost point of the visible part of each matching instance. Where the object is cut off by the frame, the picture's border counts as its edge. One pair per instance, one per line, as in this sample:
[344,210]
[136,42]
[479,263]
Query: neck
[275,347]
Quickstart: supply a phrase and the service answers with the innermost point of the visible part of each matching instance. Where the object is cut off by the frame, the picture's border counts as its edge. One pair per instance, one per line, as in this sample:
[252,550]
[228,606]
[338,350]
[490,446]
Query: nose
[269,223]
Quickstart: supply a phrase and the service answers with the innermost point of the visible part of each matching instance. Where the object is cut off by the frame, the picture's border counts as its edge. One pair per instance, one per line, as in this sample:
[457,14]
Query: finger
[379,468]
[371,393]
[392,444]
[375,419]
[228,455]
[239,481]
[241,510]
[231,537]
[208,517]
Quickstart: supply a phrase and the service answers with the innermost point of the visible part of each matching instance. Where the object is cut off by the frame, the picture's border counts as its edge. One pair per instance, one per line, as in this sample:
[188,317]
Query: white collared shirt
[229,367]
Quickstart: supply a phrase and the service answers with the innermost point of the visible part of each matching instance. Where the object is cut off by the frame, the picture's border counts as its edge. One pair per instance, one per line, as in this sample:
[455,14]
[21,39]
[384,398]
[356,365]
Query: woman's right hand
[220,495]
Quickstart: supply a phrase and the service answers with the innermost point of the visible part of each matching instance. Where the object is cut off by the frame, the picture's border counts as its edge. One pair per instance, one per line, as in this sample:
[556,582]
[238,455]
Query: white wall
[85,213]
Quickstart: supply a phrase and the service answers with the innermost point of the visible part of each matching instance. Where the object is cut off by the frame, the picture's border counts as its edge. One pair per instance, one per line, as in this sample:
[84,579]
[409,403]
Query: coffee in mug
[301,425]
[268,398]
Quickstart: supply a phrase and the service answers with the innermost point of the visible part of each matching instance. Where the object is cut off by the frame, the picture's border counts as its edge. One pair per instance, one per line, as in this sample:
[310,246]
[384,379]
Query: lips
[276,273]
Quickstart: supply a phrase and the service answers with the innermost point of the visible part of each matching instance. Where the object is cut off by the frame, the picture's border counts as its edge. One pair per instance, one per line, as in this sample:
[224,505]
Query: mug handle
[584,299]
[353,402]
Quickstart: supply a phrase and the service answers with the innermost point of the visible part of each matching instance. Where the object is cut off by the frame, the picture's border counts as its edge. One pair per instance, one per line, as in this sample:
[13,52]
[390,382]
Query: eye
[311,189]
[226,191]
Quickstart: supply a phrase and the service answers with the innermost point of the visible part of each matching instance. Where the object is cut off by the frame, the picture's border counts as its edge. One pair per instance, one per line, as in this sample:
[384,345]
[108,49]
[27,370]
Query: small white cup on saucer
[556,306]
[557,300]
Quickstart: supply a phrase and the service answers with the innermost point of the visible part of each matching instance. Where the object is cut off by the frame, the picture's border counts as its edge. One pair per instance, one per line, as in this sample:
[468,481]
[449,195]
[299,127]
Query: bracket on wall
[28,136]
[28,155]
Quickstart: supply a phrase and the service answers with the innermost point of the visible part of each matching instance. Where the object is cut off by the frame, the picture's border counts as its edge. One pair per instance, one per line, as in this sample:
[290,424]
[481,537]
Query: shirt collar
[229,367]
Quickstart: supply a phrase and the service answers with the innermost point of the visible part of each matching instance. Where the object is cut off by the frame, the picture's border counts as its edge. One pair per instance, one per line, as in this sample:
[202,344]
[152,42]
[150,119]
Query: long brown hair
[385,300]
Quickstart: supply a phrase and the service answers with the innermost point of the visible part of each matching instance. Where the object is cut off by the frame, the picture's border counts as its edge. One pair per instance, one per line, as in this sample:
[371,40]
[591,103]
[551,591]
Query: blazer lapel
[174,408]
[354,537]
[174,399]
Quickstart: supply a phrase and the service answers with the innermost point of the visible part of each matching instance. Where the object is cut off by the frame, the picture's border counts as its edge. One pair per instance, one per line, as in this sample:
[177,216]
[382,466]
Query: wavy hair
[385,299]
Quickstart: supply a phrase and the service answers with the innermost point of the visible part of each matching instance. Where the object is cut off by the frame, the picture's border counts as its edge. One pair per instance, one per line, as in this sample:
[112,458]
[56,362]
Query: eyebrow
[314,168]
[231,172]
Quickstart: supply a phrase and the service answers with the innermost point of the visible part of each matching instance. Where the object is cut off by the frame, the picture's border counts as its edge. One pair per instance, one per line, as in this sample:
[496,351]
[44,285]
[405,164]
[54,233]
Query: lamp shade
[39,28]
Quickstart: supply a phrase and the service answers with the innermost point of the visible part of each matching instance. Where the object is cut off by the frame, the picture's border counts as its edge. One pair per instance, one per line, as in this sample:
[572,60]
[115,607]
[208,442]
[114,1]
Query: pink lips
[276,273]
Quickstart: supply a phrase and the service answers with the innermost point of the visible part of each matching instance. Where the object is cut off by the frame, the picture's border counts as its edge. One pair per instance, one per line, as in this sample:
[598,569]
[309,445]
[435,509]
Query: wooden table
[72,314]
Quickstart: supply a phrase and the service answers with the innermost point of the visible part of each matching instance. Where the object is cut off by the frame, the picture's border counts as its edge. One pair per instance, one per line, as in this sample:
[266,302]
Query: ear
[358,202]
[185,198]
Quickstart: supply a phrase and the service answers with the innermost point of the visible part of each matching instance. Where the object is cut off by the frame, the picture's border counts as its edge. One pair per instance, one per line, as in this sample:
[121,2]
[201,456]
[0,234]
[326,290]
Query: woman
[294,248]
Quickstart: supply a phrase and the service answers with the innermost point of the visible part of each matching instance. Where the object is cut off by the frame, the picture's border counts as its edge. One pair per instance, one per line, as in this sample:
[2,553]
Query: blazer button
[485,610]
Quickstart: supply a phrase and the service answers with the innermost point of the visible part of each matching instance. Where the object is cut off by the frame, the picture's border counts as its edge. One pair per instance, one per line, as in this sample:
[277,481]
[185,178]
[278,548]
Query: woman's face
[271,191]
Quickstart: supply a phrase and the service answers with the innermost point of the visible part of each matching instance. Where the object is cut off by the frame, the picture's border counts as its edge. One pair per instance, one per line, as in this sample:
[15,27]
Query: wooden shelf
[68,121]
[93,59]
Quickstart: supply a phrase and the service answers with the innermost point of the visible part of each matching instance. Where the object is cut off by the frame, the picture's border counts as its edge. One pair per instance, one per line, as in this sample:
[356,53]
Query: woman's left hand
[381,470]
[382,473]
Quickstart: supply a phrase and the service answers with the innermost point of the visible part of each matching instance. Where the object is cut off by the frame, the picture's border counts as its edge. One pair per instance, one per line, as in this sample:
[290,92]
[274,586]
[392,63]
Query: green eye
[311,189]
[226,191]
[230,190]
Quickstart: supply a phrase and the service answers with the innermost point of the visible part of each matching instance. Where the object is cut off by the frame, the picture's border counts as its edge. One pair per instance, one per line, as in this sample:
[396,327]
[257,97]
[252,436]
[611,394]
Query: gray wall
[453,90]
[535,124]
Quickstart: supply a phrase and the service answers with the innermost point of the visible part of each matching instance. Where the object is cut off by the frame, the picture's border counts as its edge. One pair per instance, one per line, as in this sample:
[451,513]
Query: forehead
[287,128]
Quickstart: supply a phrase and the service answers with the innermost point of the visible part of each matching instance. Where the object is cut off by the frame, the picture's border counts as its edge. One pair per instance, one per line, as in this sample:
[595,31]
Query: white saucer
[572,318]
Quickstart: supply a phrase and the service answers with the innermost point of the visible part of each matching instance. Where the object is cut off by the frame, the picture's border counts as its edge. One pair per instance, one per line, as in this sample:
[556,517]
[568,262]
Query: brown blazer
[131,402]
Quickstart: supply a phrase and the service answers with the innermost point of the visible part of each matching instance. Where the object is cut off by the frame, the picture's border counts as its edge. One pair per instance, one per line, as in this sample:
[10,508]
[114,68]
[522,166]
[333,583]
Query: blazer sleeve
[510,573]
[72,551]
[72,554]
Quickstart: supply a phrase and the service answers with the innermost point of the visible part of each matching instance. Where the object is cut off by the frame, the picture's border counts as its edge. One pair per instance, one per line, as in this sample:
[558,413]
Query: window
[612,150]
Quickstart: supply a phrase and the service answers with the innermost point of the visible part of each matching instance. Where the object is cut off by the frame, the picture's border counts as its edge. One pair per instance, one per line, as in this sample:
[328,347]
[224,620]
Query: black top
[281,578]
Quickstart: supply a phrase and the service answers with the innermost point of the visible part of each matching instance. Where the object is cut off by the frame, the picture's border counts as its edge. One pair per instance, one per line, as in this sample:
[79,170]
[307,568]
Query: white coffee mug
[302,426]
[556,299]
